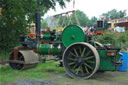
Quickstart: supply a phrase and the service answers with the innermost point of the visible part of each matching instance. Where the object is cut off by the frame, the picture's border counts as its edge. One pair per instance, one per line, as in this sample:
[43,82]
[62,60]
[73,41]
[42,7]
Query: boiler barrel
[45,49]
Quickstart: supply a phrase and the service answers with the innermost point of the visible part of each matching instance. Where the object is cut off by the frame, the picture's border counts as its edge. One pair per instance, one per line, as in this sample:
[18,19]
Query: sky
[91,7]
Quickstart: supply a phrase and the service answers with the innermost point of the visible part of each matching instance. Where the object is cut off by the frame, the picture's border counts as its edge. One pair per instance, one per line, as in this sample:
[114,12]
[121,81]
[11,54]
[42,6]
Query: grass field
[41,71]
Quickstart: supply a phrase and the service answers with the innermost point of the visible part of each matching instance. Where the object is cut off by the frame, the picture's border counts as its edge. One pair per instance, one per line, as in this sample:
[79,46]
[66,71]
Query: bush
[115,39]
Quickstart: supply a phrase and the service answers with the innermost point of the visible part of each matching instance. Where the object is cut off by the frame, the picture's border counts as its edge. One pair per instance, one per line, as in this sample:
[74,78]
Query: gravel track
[106,78]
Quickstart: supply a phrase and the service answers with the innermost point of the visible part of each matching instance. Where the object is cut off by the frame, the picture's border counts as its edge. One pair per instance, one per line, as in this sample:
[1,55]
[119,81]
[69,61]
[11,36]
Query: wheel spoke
[88,66]
[76,52]
[83,52]
[71,59]
[88,53]
[72,54]
[86,70]
[78,70]
[74,66]
[18,65]
[90,62]
[90,57]
[82,72]
[71,63]
[80,50]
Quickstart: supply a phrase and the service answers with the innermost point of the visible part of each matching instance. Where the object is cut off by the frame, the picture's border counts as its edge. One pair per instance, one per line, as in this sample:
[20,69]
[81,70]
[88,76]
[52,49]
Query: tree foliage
[82,17]
[93,21]
[44,24]
[113,14]
[17,14]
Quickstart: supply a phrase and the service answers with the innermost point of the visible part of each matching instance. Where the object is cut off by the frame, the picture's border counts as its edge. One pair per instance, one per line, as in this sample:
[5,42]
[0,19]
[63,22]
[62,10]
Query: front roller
[81,60]
[25,59]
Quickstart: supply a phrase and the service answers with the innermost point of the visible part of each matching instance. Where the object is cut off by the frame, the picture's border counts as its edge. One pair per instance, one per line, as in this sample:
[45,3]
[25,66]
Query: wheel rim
[16,66]
[99,44]
[81,60]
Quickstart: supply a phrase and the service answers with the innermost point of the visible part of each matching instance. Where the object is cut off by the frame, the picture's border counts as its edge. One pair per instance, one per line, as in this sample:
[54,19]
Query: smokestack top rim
[37,11]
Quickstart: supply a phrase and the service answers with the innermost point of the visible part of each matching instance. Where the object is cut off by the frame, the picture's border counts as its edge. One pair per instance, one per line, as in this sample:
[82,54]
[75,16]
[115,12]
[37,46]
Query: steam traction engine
[81,57]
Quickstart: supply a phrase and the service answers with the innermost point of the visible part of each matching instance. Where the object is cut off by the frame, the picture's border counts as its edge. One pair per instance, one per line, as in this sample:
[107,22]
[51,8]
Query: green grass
[41,71]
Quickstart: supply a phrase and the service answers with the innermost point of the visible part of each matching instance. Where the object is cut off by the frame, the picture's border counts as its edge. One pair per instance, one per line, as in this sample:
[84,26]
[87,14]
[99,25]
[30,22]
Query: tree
[113,14]
[44,24]
[17,14]
[93,21]
[82,17]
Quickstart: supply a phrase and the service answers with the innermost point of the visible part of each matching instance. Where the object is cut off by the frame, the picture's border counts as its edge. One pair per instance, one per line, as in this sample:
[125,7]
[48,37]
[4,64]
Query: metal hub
[80,60]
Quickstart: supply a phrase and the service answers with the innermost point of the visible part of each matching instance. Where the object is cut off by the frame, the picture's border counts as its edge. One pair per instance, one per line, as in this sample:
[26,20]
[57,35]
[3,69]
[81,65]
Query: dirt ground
[106,78]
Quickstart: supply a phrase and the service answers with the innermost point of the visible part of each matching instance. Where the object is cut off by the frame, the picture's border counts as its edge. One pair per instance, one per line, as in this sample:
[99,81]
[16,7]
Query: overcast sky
[92,7]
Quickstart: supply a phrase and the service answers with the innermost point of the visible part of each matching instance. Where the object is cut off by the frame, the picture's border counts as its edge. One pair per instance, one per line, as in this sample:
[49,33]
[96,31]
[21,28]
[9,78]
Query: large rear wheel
[81,60]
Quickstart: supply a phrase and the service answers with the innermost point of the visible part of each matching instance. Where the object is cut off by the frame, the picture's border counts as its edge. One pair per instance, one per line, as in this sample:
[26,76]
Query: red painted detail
[32,35]
[46,43]
[37,11]
[100,32]
[111,53]
[16,50]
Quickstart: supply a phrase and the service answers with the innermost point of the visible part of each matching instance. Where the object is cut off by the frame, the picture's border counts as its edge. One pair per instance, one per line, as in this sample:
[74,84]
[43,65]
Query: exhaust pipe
[38,18]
